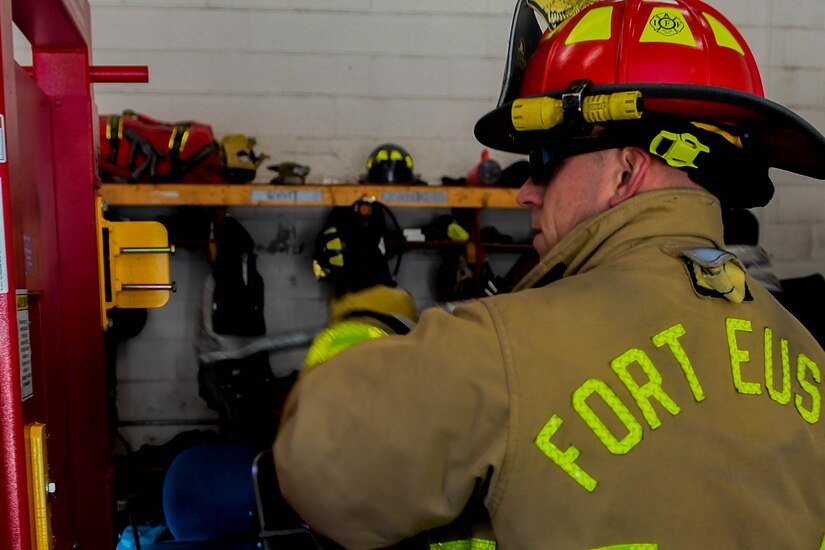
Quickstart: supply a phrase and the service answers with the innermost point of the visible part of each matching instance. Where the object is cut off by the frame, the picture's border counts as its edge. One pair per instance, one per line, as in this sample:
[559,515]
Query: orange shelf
[407,196]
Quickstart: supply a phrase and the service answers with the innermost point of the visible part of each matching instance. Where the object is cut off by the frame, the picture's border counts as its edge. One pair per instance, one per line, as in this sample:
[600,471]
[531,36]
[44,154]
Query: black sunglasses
[543,162]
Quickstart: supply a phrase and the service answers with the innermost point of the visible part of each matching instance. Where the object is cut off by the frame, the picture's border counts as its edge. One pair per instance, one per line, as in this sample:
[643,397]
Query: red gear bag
[137,148]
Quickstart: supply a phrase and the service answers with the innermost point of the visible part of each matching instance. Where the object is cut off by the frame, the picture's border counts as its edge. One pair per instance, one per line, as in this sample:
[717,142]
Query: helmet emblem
[667,25]
[556,12]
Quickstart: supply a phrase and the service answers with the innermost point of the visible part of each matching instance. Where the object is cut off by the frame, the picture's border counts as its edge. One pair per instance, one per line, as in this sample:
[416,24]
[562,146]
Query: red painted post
[14,503]
[48,251]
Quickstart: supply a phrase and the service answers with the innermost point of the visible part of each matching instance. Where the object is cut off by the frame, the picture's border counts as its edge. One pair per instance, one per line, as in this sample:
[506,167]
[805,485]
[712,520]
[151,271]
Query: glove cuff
[380,299]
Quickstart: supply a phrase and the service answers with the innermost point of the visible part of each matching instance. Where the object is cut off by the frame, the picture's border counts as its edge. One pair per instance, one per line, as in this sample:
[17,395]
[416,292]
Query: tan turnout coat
[616,405]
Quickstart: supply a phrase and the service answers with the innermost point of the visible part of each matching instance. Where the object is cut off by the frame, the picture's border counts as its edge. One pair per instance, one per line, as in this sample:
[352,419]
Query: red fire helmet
[677,58]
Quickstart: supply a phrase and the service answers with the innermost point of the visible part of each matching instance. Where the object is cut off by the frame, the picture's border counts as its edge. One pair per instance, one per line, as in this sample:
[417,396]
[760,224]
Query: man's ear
[633,166]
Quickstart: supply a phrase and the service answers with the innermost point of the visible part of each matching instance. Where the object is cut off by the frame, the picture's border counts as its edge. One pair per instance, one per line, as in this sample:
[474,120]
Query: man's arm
[390,437]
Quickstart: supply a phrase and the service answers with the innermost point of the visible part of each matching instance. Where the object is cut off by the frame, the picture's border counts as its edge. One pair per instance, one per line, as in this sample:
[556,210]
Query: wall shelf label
[277,195]
[415,197]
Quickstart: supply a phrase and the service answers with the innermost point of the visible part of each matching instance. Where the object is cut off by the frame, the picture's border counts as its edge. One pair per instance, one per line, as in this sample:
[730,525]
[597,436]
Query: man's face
[577,190]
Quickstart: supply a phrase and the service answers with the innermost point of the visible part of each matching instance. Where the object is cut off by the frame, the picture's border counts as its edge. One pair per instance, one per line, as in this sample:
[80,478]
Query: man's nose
[528,194]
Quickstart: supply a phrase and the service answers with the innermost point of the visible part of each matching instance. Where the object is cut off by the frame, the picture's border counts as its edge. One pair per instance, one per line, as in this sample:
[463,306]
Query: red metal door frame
[48,184]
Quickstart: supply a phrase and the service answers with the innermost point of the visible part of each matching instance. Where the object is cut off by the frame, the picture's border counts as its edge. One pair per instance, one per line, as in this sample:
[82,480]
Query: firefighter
[638,389]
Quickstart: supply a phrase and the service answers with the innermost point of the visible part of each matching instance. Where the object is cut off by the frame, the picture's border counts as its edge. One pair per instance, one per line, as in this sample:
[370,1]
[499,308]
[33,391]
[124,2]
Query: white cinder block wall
[322,82]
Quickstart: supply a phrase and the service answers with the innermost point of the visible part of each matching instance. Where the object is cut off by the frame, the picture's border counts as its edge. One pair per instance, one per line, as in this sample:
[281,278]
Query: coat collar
[687,215]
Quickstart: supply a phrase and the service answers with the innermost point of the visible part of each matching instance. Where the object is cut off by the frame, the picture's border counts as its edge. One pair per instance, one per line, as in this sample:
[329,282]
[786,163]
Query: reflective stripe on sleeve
[464,544]
[335,339]
[633,546]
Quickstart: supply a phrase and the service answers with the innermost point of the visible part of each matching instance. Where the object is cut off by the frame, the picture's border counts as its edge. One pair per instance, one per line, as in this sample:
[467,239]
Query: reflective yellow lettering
[739,356]
[652,388]
[782,397]
[566,460]
[634,428]
[670,338]
[803,365]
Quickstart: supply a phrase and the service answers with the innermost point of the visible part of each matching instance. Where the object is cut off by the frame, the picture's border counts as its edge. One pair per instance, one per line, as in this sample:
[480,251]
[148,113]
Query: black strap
[394,323]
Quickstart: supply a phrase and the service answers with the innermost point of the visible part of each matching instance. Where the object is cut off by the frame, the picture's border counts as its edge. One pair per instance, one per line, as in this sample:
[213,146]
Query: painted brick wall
[787,40]
[319,82]
[322,82]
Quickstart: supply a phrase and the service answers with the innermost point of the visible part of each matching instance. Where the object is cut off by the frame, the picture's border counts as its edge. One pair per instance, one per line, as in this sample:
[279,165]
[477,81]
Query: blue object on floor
[209,499]
[147,534]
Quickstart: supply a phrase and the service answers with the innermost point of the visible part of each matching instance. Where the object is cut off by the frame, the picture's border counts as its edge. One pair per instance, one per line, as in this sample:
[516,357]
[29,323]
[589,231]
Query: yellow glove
[371,313]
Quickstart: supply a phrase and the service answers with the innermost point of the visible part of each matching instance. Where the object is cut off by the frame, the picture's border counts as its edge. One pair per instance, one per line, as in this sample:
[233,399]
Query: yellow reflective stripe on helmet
[335,244]
[552,31]
[594,25]
[633,546]
[723,35]
[335,339]
[464,544]
[668,25]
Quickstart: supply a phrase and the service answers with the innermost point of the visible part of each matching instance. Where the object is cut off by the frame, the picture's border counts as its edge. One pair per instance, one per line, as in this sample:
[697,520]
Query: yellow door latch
[133,264]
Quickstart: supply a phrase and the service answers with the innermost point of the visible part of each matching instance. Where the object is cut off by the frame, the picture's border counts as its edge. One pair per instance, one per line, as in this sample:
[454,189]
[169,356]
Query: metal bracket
[133,264]
[572,102]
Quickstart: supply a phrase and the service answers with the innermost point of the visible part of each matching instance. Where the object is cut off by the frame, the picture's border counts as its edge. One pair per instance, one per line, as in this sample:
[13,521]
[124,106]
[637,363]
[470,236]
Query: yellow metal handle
[39,486]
